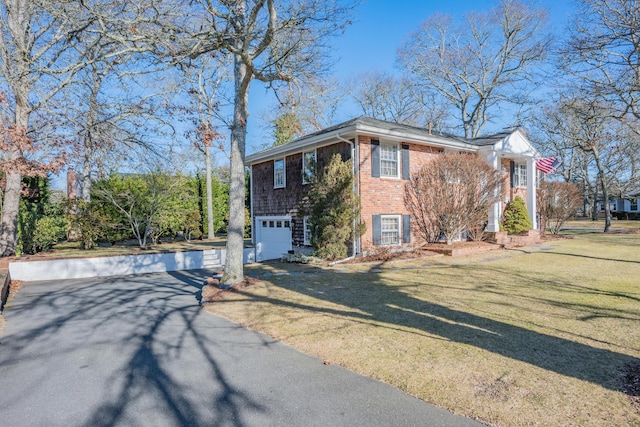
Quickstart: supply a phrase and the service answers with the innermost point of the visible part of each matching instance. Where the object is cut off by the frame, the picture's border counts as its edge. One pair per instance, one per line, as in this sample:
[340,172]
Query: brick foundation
[526,238]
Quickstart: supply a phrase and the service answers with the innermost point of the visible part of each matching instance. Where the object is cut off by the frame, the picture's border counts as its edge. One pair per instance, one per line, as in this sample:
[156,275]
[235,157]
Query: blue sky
[370,43]
[379,28]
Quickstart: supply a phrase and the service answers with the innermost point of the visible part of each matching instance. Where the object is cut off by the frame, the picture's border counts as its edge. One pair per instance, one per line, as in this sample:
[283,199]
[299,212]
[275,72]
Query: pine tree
[333,207]
[515,217]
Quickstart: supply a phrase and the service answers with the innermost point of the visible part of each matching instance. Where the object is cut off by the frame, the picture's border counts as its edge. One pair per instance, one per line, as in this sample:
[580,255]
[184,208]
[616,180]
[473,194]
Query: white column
[531,192]
[494,212]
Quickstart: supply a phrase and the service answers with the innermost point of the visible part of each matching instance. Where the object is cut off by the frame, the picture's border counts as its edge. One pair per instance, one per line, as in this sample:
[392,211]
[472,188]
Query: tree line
[146,208]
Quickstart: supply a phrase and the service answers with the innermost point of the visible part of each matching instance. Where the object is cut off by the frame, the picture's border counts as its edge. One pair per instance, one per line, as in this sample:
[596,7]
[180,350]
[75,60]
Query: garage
[273,237]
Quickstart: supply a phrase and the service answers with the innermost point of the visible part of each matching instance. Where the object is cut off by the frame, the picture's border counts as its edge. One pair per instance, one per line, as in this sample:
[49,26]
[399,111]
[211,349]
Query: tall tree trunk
[86,169]
[607,207]
[594,208]
[17,20]
[207,161]
[605,190]
[233,269]
[10,208]
[13,188]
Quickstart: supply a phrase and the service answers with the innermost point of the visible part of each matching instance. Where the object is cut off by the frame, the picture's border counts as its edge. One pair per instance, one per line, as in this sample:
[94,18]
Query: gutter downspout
[353,179]
[253,226]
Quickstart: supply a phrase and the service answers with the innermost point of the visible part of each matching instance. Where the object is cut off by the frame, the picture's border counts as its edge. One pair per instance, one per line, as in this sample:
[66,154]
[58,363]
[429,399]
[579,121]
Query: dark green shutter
[512,165]
[376,227]
[406,173]
[375,158]
[406,228]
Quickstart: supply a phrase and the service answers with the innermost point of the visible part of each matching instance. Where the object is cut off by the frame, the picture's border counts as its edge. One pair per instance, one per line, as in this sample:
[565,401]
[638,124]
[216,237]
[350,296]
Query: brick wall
[379,196]
[385,196]
[508,191]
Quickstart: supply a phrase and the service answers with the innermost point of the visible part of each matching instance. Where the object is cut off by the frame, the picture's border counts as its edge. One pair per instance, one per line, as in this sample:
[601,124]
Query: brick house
[385,155]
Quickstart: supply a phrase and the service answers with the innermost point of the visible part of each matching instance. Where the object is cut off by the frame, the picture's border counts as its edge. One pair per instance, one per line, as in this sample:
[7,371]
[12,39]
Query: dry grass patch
[533,336]
[71,249]
[599,224]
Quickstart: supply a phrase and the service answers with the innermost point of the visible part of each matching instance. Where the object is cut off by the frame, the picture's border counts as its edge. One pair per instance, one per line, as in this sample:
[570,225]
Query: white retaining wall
[78,268]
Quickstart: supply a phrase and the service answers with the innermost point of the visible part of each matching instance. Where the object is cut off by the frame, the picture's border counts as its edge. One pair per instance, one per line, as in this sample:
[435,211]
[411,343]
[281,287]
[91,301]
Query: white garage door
[273,237]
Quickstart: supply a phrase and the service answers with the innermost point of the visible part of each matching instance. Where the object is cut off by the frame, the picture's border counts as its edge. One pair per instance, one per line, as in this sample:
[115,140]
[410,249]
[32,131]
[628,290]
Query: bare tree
[269,41]
[451,194]
[603,52]
[385,97]
[556,202]
[591,133]
[36,61]
[480,63]
[204,76]
[304,106]
[109,120]
[43,46]
[599,153]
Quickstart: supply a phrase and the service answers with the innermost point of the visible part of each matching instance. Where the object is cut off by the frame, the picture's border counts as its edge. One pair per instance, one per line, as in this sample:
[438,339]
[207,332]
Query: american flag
[548,165]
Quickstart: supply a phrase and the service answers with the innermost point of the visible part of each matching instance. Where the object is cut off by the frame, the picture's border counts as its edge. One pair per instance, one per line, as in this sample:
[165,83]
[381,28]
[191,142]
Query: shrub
[333,208]
[451,194]
[299,258]
[49,230]
[557,202]
[515,218]
[87,222]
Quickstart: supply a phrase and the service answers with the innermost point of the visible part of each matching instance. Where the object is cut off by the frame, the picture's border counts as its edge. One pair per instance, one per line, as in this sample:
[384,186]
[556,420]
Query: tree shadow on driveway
[131,350]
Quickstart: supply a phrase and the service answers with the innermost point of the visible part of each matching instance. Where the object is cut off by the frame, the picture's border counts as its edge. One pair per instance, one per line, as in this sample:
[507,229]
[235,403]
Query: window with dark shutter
[512,171]
[376,227]
[406,228]
[406,172]
[375,158]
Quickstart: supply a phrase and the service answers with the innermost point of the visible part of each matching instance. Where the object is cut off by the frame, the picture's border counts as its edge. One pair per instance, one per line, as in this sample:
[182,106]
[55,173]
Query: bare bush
[557,202]
[450,195]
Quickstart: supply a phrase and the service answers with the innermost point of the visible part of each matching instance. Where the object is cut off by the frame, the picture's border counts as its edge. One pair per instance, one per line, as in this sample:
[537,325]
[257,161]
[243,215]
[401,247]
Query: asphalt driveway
[138,351]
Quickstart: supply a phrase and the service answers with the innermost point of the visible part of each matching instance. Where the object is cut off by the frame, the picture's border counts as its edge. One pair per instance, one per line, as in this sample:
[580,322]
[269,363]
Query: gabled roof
[395,131]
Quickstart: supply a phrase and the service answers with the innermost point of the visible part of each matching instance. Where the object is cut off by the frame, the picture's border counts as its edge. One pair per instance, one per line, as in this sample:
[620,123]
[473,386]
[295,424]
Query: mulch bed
[428,250]
[212,293]
[631,384]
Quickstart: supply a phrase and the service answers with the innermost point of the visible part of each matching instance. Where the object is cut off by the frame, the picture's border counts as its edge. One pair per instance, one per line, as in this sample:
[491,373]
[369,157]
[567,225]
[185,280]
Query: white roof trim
[515,144]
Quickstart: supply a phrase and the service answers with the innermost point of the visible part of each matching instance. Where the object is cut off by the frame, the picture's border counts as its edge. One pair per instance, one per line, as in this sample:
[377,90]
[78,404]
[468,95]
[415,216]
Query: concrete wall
[77,268]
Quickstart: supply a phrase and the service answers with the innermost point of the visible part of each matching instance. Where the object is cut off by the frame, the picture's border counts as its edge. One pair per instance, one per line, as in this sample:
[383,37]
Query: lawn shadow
[392,307]
[525,251]
[144,324]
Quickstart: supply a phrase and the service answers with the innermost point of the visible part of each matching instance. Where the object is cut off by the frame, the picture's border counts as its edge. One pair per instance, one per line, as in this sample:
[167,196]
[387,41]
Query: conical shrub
[515,218]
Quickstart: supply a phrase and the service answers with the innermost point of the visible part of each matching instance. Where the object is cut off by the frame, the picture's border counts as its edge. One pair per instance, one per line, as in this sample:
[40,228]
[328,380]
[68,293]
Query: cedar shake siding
[287,201]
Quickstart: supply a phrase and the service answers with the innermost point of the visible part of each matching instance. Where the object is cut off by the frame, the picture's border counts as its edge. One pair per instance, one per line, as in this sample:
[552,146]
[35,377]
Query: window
[389,160]
[278,173]
[308,163]
[307,231]
[390,228]
[520,175]
[634,205]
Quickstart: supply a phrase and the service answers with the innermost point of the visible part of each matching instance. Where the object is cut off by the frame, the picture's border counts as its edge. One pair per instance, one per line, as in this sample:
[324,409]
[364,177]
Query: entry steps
[211,258]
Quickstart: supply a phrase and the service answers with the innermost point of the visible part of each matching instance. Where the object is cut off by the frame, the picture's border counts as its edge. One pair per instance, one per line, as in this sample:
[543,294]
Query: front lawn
[529,336]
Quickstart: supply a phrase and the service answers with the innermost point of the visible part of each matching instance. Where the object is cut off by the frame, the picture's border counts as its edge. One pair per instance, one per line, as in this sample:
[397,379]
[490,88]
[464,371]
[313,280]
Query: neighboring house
[386,155]
[623,207]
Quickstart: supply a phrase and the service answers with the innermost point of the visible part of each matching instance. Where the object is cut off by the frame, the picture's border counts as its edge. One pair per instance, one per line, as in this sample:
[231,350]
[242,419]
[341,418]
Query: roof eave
[406,136]
[300,145]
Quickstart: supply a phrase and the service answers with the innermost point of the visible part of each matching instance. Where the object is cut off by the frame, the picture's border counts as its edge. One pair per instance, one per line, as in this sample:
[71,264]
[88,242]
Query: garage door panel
[273,237]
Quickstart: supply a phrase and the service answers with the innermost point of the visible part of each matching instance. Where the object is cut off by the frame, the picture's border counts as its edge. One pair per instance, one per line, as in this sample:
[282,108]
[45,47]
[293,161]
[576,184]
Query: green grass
[530,336]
